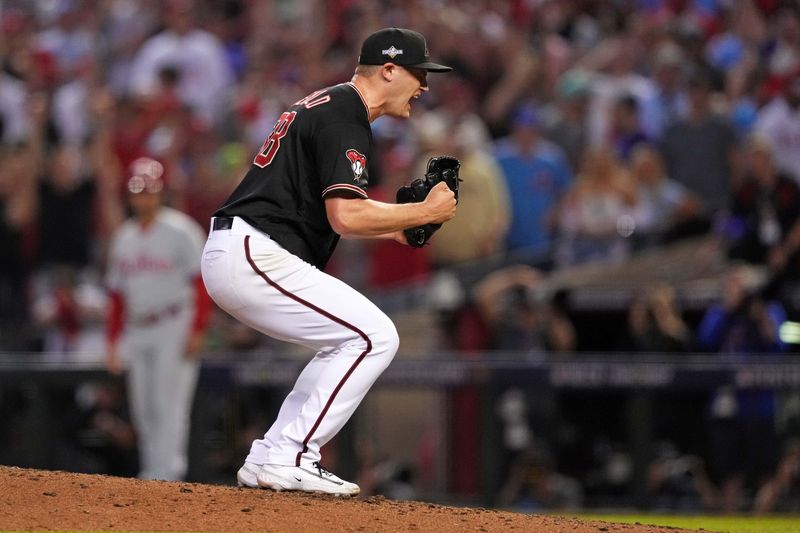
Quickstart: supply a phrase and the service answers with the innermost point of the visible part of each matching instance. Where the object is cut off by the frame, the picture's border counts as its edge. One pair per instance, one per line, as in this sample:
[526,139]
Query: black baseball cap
[400,46]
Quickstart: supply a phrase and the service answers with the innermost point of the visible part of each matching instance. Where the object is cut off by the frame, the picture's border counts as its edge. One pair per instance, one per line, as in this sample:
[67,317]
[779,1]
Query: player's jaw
[414,83]
[400,105]
[408,103]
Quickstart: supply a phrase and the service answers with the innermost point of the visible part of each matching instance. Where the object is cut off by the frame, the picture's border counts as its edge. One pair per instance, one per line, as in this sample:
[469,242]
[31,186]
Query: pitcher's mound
[49,501]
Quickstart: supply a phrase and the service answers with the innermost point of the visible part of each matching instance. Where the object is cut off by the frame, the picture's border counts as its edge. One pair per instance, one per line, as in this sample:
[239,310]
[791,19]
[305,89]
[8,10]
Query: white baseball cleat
[247,475]
[307,478]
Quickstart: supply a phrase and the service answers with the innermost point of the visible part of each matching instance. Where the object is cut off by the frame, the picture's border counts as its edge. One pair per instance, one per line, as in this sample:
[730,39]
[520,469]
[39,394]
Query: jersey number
[273,142]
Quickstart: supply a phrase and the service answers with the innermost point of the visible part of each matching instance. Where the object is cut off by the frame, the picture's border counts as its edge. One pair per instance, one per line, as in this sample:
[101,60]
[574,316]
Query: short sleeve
[341,151]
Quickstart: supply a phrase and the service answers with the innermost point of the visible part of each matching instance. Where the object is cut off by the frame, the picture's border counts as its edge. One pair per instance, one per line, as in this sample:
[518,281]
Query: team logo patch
[392,52]
[358,163]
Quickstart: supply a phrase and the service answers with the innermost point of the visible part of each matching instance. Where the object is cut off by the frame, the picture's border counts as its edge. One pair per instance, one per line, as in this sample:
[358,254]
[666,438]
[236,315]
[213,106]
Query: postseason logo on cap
[392,52]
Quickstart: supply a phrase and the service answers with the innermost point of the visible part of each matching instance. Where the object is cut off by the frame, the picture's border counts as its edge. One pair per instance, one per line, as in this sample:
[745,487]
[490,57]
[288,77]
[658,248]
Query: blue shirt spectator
[752,328]
[741,427]
[537,173]
[744,323]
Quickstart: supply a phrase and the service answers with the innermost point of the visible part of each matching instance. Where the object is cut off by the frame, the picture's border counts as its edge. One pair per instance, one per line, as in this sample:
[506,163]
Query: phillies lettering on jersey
[318,147]
[145,264]
[154,268]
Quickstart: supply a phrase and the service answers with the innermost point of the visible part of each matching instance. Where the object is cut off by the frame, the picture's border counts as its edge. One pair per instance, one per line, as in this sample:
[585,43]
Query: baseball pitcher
[269,243]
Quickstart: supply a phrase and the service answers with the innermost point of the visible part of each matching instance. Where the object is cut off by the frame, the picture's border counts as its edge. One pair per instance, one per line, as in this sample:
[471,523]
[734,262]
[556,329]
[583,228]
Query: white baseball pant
[275,292]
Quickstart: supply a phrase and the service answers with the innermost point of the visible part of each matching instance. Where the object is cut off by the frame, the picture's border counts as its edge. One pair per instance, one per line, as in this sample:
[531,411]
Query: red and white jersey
[153,268]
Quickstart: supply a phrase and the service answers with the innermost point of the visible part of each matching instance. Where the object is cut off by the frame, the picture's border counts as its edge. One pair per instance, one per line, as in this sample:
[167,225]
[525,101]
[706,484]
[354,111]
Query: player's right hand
[440,203]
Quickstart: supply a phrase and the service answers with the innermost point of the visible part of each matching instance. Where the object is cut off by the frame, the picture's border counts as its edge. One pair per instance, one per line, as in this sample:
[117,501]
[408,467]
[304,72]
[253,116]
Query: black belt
[223,223]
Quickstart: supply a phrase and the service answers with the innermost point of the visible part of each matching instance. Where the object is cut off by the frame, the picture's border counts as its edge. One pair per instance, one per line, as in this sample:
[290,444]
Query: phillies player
[157,315]
[269,243]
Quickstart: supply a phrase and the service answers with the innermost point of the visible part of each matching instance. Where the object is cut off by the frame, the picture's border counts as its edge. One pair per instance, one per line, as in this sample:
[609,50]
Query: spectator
[17,211]
[566,123]
[521,68]
[531,427]
[100,438]
[626,128]
[66,200]
[76,201]
[766,213]
[537,173]
[678,480]
[595,217]
[782,53]
[534,484]
[123,31]
[13,103]
[742,433]
[779,122]
[665,209]
[72,101]
[655,323]
[517,314]
[613,61]
[670,103]
[743,30]
[700,150]
[198,58]
[68,38]
[69,306]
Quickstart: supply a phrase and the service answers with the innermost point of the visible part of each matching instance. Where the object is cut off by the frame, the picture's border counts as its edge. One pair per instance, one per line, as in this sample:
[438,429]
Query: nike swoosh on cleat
[324,479]
[297,478]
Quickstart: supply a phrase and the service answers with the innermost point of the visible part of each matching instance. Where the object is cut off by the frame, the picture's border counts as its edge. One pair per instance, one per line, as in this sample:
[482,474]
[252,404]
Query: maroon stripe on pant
[327,315]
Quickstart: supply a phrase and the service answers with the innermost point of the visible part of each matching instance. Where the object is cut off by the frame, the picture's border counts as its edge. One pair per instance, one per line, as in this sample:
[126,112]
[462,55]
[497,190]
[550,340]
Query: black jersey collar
[363,101]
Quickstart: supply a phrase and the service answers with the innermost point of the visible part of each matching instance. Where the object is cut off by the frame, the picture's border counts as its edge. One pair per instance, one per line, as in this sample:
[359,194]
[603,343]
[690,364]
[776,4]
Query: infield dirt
[57,501]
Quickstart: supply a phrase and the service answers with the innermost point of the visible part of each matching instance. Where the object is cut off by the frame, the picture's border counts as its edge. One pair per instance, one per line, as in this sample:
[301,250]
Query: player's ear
[388,71]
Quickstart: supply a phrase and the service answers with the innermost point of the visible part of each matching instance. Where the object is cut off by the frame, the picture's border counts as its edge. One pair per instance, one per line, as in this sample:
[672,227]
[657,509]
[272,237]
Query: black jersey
[321,144]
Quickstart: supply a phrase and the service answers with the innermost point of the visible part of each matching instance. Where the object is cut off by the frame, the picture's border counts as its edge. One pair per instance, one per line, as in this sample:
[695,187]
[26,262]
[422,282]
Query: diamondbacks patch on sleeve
[358,162]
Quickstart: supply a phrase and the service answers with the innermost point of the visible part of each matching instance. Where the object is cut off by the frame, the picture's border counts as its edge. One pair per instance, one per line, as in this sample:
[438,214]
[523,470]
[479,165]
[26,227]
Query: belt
[152,318]
[221,223]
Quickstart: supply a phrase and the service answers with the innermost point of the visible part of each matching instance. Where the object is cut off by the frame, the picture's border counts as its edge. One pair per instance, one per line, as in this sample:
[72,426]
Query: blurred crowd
[587,130]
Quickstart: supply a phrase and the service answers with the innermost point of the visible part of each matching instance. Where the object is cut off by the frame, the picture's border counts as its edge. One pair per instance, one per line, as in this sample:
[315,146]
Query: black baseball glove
[443,168]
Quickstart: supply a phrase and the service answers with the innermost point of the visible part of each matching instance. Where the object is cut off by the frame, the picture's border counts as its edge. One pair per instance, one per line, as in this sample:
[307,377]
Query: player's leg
[139,383]
[284,297]
[289,410]
[354,339]
[347,373]
[360,343]
[175,380]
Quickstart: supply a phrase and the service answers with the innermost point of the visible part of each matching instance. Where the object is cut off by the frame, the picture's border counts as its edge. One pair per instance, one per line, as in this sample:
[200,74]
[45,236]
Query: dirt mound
[50,501]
